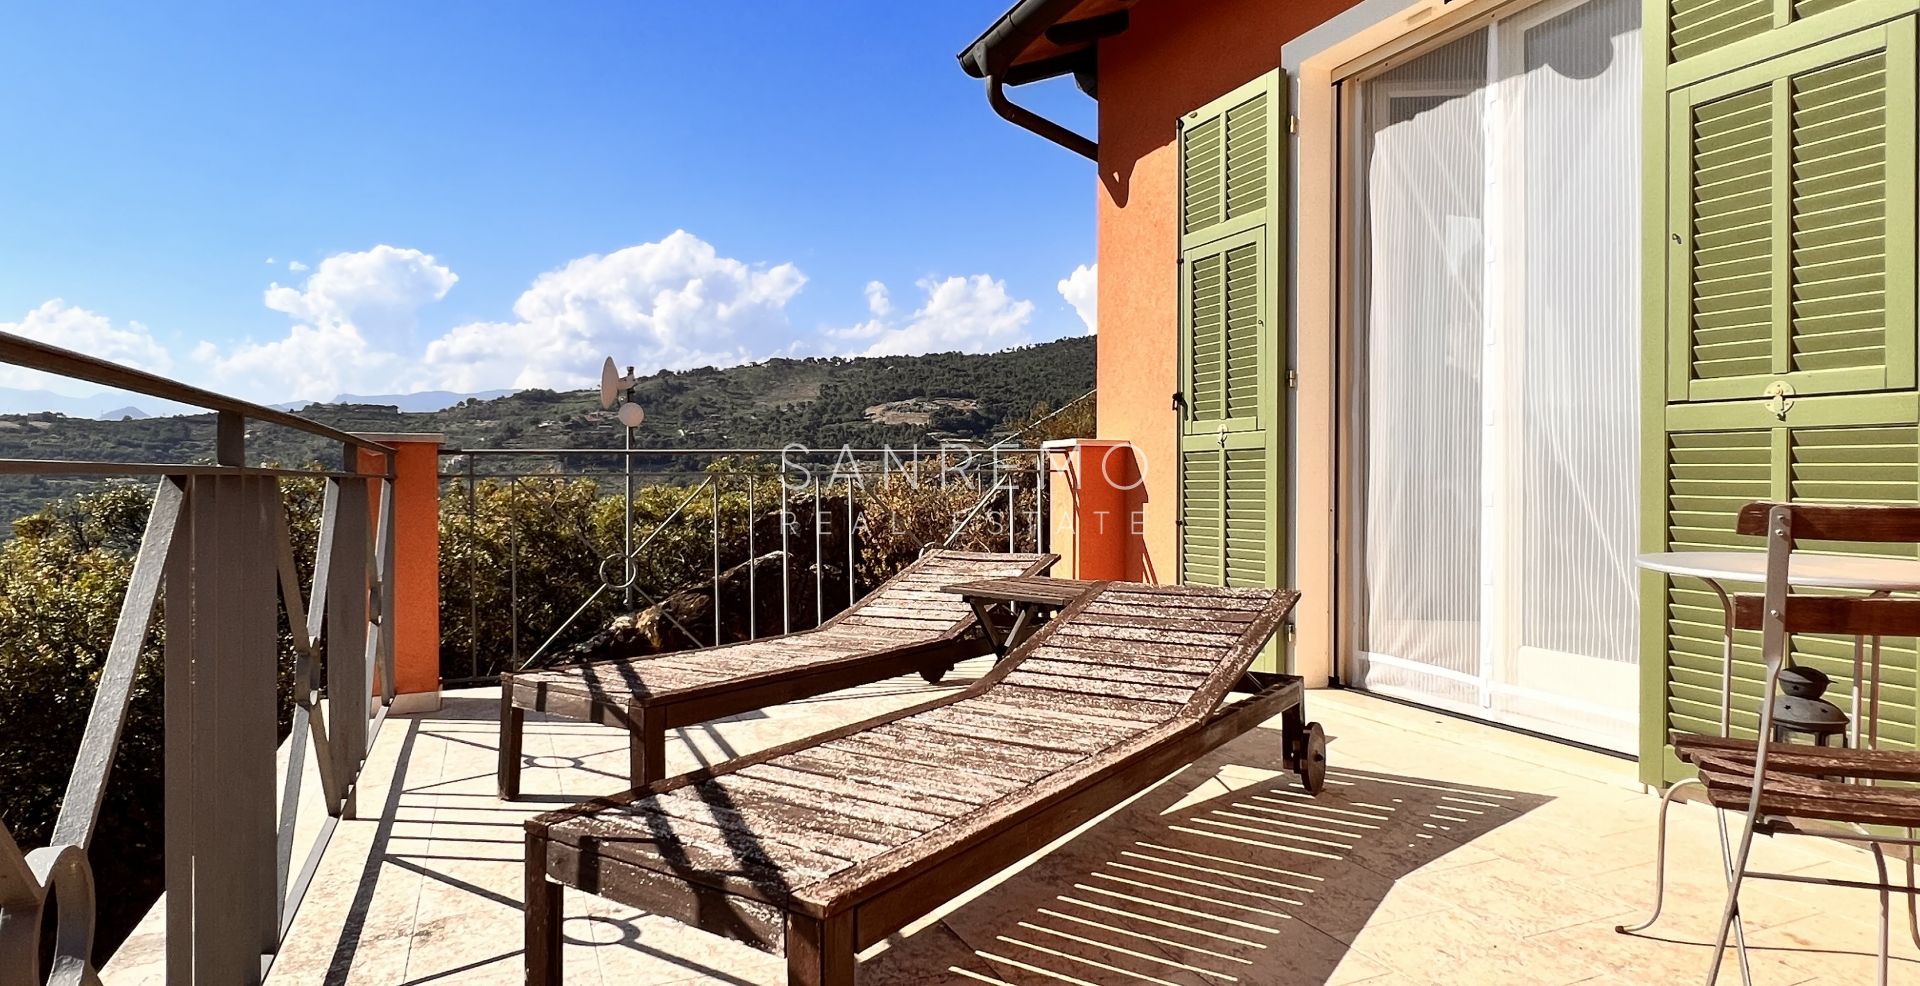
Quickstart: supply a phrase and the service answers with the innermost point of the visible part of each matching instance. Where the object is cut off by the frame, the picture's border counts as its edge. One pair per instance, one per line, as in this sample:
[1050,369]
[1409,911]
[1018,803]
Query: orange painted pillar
[416,566]
[1090,483]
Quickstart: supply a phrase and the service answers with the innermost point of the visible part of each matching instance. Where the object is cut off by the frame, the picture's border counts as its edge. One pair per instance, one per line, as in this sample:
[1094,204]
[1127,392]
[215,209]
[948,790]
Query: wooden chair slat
[958,792]
[918,757]
[1188,678]
[1105,659]
[1011,731]
[789,782]
[1040,758]
[1736,797]
[1055,700]
[1166,612]
[1176,697]
[896,623]
[1858,522]
[854,778]
[746,826]
[763,805]
[1144,635]
[1136,651]
[1851,616]
[1832,760]
[1007,726]
[745,871]
[1226,629]
[1805,785]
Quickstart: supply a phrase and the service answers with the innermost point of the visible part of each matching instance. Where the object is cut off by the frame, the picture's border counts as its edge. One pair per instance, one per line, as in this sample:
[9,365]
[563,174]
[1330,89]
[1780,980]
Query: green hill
[818,402]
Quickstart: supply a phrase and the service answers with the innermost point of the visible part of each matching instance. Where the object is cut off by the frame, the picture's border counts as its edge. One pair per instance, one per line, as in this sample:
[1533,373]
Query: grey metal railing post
[850,489]
[786,558]
[380,651]
[1042,491]
[1013,514]
[473,575]
[819,563]
[513,577]
[753,569]
[347,685]
[715,526]
[221,833]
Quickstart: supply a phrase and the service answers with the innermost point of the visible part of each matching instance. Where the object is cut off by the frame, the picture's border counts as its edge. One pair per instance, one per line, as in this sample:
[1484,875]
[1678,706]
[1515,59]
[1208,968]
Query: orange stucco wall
[416,558]
[1175,57]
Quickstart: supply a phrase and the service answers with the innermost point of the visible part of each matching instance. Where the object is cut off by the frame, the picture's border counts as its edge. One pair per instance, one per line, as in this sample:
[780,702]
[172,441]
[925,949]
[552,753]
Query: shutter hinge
[1289,633]
[1293,124]
[1293,379]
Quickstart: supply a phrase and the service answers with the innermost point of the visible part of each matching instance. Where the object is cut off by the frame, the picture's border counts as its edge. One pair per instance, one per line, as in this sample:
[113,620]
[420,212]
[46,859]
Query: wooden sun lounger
[825,846]
[905,625]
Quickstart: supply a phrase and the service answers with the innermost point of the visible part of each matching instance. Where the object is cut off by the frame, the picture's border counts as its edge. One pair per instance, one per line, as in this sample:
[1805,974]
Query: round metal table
[1877,575]
[1874,575]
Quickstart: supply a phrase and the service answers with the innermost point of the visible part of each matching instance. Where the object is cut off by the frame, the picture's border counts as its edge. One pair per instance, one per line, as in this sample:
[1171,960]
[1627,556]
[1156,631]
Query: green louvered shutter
[1730,455]
[1705,38]
[1792,205]
[1787,346]
[1231,315]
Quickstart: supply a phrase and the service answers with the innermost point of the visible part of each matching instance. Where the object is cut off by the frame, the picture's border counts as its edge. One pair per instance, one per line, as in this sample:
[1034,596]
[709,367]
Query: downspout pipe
[1027,119]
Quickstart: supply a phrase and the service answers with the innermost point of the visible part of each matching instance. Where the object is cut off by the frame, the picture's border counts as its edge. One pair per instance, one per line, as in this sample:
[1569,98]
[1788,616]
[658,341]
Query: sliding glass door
[1493,271]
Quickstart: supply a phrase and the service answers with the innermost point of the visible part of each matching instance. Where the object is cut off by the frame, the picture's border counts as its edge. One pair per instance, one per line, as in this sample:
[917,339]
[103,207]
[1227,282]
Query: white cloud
[296,266]
[380,289]
[674,303]
[312,363]
[269,261]
[353,313]
[969,314]
[78,329]
[879,304]
[1081,289]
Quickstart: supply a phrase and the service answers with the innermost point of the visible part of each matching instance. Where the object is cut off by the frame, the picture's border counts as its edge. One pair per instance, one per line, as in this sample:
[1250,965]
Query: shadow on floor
[1260,884]
[1226,873]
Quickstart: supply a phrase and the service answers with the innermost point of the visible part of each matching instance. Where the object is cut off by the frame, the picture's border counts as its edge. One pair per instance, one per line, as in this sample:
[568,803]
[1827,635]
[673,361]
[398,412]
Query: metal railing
[217,560]
[700,545]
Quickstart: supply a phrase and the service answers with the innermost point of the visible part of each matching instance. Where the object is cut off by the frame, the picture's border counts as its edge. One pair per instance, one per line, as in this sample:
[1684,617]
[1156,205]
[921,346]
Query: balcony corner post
[412,628]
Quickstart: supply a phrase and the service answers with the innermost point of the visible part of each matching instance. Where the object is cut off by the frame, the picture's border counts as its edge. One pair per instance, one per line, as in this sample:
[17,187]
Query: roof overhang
[1045,39]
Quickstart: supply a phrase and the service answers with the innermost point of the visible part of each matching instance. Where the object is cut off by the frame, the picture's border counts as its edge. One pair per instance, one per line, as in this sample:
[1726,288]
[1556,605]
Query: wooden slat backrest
[1860,522]
[1108,618]
[1850,616]
[916,592]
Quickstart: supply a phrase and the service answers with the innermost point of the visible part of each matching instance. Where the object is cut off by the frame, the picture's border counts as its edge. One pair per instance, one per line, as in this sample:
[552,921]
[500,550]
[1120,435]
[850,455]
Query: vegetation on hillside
[817,402]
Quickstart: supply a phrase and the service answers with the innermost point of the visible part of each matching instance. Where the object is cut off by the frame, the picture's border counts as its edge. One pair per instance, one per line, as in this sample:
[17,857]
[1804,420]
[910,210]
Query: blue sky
[485,195]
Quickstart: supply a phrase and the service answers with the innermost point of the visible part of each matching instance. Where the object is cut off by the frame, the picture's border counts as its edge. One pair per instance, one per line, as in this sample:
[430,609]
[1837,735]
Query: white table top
[1813,571]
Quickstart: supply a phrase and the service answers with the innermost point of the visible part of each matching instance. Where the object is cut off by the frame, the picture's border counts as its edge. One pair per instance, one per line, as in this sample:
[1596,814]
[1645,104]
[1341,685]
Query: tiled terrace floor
[1443,852]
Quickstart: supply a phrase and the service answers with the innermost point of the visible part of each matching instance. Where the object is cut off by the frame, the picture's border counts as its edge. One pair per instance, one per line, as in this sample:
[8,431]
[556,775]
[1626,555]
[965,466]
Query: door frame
[1505,23]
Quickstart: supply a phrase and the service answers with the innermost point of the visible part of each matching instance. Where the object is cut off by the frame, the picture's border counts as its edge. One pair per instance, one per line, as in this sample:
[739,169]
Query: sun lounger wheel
[1312,762]
[933,673]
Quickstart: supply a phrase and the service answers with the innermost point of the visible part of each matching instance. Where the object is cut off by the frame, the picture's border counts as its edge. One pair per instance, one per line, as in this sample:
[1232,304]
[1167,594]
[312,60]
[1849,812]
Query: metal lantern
[1800,708]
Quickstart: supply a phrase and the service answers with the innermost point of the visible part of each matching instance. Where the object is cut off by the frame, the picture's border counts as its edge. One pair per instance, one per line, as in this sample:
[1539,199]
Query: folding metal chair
[1799,789]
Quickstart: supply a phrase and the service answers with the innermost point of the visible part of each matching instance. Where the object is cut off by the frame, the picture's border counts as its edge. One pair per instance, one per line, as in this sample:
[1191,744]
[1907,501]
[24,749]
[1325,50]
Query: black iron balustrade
[218,557]
[828,501]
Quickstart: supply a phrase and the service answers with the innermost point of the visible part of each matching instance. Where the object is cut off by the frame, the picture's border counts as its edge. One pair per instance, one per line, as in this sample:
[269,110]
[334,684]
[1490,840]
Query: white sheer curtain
[1498,332]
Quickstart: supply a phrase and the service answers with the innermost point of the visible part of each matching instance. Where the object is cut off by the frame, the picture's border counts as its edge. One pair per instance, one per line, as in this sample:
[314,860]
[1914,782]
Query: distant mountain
[26,400]
[112,406]
[818,402]
[427,400]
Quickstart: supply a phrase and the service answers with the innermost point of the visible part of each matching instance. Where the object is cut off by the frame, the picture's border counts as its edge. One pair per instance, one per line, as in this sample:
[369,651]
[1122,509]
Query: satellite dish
[610,384]
[631,415]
